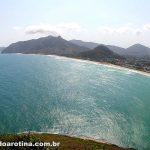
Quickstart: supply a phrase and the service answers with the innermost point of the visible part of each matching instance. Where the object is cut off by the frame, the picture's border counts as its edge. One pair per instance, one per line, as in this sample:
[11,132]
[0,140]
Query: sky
[115,22]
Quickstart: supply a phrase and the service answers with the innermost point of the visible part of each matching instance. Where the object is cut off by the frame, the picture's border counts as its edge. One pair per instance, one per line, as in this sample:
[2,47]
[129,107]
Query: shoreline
[74,136]
[105,64]
[93,62]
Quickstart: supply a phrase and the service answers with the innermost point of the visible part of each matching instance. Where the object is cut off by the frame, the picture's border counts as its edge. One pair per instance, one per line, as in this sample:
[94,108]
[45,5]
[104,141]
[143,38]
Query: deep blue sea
[67,96]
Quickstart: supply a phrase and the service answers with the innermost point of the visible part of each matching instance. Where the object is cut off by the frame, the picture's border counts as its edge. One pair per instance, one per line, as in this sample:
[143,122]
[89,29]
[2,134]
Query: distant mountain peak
[101,52]
[60,37]
[137,45]
[102,46]
[138,51]
[45,45]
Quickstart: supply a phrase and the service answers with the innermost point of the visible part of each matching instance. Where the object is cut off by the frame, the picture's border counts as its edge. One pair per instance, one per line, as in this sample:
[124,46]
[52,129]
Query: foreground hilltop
[66,142]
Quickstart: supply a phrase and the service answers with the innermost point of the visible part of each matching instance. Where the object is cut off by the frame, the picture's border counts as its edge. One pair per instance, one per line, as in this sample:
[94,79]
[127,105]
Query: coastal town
[136,64]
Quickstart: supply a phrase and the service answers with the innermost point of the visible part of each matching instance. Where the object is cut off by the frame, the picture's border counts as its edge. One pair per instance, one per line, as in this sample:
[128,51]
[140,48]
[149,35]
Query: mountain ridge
[90,45]
[136,50]
[59,46]
[45,45]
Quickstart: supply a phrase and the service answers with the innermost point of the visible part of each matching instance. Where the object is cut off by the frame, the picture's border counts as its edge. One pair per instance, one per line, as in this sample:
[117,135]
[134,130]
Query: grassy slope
[66,142]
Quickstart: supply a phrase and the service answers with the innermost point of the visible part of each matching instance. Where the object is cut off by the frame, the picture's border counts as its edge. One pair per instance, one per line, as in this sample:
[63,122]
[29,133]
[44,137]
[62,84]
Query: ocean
[67,96]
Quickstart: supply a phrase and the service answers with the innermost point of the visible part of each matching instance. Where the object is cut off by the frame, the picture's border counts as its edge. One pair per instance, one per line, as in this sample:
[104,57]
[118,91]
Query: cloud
[146,26]
[53,29]
[129,29]
[42,29]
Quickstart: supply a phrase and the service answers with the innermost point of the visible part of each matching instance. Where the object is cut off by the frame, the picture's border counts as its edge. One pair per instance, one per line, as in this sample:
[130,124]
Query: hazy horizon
[120,23]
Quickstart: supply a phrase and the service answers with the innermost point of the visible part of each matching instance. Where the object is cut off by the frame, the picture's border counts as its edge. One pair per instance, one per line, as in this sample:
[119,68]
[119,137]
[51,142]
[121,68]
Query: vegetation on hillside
[66,142]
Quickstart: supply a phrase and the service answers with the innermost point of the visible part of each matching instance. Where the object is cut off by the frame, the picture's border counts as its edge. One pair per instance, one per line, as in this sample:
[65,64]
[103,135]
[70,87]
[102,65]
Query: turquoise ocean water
[60,95]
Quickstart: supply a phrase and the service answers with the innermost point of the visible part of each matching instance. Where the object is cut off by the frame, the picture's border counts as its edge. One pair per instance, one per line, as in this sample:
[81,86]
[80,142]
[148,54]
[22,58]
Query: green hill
[99,53]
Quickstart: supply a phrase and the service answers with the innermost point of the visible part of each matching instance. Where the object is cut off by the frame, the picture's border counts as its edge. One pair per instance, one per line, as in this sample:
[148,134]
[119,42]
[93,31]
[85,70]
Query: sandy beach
[105,64]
